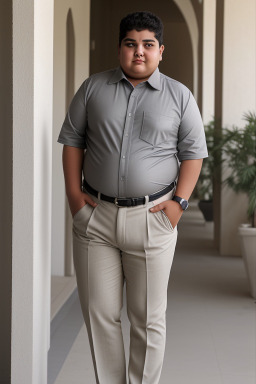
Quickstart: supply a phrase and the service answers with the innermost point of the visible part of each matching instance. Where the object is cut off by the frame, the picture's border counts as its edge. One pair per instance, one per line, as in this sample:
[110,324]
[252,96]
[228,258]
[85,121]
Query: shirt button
[129,114]
[123,157]
[122,178]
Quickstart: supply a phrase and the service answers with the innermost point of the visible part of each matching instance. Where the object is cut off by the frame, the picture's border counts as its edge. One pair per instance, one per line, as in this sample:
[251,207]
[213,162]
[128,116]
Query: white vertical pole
[32,132]
[209,38]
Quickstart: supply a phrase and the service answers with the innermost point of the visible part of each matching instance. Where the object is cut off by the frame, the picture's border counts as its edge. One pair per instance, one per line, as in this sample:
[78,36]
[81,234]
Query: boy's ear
[161,52]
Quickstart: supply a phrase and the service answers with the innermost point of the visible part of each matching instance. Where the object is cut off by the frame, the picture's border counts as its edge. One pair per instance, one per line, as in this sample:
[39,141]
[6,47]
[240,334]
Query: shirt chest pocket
[157,128]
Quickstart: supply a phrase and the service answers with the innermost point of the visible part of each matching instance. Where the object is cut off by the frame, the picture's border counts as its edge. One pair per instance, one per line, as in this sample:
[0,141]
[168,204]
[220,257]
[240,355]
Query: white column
[209,30]
[239,80]
[32,164]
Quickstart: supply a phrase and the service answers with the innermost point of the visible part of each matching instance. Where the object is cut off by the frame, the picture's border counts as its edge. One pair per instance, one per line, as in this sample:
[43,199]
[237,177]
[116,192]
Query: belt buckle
[132,202]
[116,202]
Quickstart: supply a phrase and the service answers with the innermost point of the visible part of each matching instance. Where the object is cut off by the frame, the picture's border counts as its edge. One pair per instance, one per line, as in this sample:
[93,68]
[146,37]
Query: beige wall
[81,20]
[106,15]
[6,188]
[239,80]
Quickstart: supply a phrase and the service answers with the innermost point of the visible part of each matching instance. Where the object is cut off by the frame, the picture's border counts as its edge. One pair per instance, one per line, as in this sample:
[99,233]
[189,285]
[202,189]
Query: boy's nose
[139,52]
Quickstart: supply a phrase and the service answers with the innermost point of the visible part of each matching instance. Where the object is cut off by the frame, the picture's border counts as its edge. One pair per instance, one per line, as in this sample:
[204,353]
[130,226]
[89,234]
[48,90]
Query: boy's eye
[131,45]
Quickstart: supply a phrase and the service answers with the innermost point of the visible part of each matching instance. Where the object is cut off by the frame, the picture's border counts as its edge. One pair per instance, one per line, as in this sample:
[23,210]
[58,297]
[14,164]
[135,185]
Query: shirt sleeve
[191,137]
[73,129]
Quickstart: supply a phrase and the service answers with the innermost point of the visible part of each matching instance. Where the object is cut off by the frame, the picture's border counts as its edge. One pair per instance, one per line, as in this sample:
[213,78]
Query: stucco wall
[81,19]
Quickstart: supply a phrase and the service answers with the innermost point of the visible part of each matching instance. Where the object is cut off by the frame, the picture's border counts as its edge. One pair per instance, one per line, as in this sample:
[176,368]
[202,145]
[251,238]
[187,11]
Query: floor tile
[199,378]
[238,379]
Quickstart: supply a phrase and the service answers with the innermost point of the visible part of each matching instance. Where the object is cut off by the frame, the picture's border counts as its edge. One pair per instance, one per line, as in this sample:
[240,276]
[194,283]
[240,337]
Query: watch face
[184,204]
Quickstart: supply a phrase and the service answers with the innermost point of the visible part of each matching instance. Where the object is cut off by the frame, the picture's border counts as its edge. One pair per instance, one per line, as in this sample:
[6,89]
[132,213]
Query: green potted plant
[204,188]
[239,148]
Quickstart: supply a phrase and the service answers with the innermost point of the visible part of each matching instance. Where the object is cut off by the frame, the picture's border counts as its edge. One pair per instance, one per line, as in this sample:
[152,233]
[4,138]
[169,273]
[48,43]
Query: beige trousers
[112,245]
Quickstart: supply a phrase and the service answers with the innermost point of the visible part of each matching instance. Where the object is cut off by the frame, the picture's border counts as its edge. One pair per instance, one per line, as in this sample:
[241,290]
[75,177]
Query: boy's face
[139,54]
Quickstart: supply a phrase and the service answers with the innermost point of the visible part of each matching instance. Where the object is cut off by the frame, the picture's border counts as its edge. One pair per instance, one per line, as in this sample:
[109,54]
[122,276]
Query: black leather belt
[129,201]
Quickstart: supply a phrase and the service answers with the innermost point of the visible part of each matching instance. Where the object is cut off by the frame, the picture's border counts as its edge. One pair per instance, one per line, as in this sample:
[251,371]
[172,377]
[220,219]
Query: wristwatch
[183,203]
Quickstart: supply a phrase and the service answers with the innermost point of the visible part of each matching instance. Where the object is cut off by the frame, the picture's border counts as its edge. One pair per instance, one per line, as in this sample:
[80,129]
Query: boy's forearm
[72,159]
[188,176]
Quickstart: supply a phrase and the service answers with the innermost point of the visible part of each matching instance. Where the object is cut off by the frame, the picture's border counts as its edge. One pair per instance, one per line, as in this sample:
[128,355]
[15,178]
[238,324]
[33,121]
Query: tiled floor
[211,318]
[62,288]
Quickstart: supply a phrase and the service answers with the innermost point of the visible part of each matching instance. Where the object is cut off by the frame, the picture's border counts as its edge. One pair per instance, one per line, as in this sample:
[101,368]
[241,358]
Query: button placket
[126,142]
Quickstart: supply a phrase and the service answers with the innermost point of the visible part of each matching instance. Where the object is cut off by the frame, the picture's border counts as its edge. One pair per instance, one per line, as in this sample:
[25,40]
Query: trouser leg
[100,286]
[150,244]
[147,242]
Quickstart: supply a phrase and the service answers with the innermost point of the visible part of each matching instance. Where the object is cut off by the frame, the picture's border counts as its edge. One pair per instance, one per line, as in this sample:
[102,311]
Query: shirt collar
[153,80]
[117,76]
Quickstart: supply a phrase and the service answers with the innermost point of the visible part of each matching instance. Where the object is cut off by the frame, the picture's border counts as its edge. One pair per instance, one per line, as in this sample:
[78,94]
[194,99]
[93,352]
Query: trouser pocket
[164,220]
[82,218]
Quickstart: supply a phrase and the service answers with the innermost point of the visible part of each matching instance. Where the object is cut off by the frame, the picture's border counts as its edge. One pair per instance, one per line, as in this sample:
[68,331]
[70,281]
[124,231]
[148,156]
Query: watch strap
[183,202]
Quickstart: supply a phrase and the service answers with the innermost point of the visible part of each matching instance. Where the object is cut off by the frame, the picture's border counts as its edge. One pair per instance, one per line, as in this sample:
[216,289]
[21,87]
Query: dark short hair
[140,21]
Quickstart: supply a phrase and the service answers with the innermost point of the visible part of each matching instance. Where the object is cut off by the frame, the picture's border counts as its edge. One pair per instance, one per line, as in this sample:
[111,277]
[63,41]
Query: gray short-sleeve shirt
[134,137]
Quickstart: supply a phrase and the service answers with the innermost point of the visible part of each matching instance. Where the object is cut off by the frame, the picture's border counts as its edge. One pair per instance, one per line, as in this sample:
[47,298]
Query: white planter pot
[248,246]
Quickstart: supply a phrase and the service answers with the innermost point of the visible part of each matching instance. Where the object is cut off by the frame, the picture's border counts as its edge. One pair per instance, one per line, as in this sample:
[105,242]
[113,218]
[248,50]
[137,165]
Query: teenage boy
[142,132]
